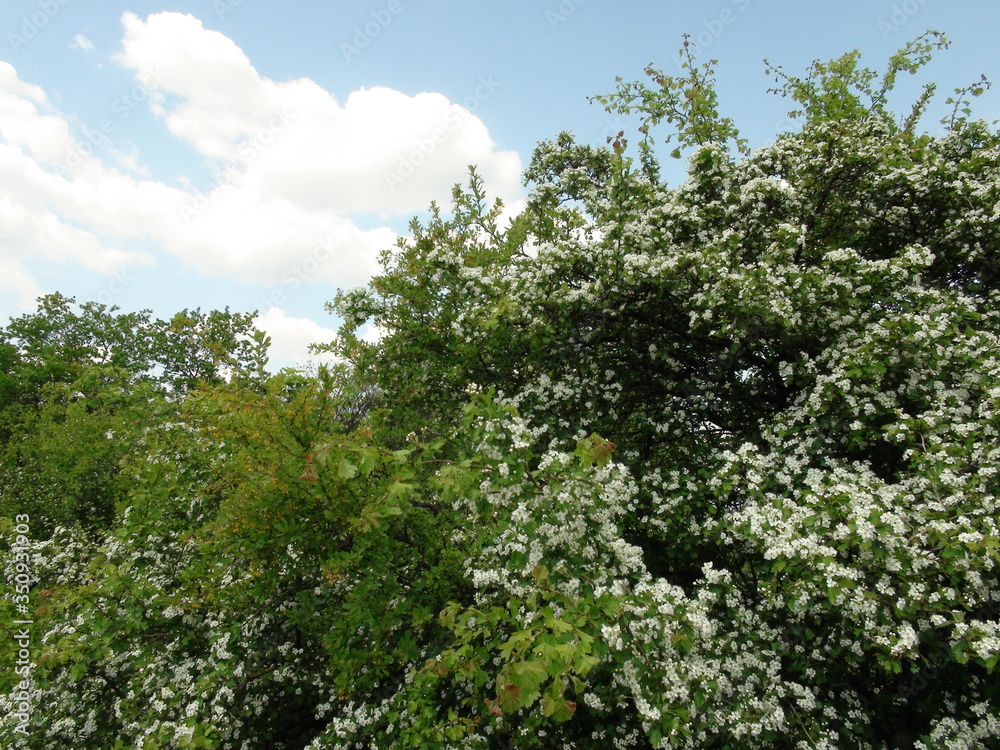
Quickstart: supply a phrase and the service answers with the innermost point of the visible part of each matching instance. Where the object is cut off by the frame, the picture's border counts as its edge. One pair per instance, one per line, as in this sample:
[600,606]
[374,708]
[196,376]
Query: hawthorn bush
[795,353]
[710,466]
[81,388]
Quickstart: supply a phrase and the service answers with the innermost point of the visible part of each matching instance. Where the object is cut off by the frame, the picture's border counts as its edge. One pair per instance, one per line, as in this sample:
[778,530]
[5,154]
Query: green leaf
[528,674]
[346,470]
[400,489]
[559,626]
[594,449]
[554,703]
[509,696]
[368,460]
[584,664]
[541,576]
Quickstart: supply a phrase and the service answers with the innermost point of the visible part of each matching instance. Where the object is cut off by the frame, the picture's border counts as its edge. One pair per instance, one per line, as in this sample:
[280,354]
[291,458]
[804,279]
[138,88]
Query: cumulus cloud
[291,166]
[291,337]
[25,120]
[82,42]
[50,216]
[381,151]
[14,277]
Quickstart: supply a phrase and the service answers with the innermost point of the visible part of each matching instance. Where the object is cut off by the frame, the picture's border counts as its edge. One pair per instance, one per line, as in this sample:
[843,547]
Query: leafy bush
[709,466]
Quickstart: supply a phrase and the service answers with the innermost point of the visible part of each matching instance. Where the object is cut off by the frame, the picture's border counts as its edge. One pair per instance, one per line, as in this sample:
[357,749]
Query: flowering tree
[79,387]
[795,352]
[706,466]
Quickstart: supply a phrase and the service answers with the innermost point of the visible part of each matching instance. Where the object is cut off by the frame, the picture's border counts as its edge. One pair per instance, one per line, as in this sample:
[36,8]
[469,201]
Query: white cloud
[293,165]
[46,215]
[130,161]
[82,42]
[291,337]
[382,151]
[43,135]
[15,278]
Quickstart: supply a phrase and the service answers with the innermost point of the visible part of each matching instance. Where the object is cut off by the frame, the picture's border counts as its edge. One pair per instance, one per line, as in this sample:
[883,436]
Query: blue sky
[259,155]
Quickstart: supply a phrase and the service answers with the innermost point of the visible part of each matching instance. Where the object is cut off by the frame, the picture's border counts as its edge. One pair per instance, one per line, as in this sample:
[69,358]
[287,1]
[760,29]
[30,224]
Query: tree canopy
[712,465]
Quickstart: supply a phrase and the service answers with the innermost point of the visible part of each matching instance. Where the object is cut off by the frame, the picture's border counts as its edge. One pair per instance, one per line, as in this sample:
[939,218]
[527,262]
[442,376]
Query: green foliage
[758,342]
[712,465]
[689,104]
[56,344]
[81,390]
